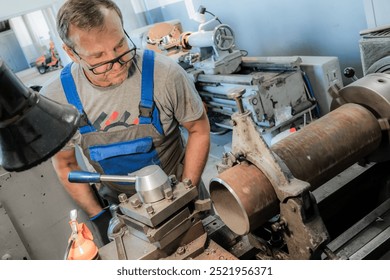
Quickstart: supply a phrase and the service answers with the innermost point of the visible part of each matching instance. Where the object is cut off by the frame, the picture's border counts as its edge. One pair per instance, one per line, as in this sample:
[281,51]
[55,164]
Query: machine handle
[349,72]
[91,177]
[83,177]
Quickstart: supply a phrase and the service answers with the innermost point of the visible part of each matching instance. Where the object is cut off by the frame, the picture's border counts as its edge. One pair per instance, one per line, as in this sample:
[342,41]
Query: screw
[122,198]
[180,250]
[168,193]
[135,202]
[150,209]
[187,183]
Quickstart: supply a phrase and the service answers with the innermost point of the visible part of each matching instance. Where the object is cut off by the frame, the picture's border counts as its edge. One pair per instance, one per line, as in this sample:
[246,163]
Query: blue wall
[285,27]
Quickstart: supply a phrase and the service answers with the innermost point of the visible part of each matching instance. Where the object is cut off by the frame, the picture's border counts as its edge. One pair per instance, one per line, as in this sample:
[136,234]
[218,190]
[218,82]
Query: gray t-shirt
[110,108]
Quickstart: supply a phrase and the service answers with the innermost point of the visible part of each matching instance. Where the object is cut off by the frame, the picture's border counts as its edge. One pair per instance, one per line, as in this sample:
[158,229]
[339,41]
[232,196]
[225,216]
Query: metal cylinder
[240,194]
[150,183]
[373,92]
[201,39]
[244,198]
[321,150]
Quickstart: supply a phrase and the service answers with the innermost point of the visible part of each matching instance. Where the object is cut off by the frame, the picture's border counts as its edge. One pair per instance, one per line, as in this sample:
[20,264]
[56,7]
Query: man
[131,105]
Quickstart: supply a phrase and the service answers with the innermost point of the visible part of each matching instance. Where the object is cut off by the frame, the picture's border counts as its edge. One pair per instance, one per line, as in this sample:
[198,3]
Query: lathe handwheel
[223,37]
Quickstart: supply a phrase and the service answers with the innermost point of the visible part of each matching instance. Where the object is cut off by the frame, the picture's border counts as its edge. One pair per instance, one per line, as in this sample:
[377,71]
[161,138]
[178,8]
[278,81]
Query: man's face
[99,45]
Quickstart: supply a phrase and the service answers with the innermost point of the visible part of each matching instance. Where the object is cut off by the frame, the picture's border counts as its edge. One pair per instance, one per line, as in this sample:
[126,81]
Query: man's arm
[82,193]
[197,149]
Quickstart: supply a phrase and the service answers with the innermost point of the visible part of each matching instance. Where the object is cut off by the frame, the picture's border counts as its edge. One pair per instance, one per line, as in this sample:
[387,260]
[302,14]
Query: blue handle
[83,177]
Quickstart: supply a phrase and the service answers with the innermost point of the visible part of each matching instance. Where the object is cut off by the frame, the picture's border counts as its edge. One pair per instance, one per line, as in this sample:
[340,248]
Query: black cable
[213,16]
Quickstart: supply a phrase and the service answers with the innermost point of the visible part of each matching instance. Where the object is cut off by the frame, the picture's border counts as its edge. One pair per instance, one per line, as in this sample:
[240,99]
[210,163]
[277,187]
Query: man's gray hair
[83,14]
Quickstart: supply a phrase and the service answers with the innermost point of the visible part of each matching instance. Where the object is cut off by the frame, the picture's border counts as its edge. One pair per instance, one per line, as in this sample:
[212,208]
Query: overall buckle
[145,111]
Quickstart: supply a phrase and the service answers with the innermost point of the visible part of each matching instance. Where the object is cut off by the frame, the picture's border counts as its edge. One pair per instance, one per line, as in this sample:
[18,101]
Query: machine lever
[83,177]
[91,177]
[349,72]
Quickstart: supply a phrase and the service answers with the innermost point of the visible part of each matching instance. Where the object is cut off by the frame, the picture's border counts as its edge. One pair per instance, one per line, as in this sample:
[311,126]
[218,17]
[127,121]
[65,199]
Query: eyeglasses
[106,66]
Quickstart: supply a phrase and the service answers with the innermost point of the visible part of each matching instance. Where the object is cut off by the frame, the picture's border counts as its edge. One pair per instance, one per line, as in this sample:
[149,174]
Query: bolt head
[181,250]
[122,198]
[150,209]
[168,193]
[135,202]
[187,182]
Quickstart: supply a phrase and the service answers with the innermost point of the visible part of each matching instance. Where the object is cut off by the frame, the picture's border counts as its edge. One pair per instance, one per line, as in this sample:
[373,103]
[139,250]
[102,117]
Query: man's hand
[64,162]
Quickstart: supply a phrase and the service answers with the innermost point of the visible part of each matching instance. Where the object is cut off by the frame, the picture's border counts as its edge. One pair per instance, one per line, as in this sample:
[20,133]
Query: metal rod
[117,178]
[237,94]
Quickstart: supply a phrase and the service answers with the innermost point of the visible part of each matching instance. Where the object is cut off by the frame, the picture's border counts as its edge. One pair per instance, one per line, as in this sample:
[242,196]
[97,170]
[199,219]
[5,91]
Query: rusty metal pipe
[244,198]
[323,149]
[240,193]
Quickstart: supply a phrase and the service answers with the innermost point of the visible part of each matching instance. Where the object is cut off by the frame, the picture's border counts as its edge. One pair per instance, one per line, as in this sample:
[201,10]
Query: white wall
[11,9]
[285,27]
[263,28]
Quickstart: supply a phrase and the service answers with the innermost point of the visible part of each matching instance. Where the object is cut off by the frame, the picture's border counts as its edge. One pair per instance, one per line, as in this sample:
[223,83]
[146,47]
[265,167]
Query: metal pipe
[323,149]
[242,204]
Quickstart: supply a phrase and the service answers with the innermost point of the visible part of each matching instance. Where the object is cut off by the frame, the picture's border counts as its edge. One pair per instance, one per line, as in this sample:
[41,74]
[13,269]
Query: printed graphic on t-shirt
[104,122]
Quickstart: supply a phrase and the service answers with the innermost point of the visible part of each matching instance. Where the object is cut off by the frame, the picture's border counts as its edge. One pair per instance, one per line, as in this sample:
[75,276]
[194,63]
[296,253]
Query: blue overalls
[121,152]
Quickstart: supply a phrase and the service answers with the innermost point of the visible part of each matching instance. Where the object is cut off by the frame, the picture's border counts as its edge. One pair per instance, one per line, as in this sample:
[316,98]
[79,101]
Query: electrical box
[323,72]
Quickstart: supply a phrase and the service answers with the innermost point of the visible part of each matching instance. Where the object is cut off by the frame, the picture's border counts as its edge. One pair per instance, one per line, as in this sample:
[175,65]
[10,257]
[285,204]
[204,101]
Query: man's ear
[70,53]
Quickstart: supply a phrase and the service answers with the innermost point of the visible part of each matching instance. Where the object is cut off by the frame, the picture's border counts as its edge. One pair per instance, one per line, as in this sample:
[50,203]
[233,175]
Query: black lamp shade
[32,127]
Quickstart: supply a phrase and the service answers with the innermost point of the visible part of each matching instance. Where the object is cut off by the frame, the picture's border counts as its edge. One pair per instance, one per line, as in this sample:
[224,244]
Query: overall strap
[148,112]
[73,97]
[147,87]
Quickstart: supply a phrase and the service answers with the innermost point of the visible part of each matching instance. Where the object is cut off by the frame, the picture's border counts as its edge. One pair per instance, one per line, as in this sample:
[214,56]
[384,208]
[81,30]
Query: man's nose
[117,65]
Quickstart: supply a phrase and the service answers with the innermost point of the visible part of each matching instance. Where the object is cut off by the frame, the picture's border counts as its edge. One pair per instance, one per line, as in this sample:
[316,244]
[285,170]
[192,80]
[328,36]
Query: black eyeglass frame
[111,62]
